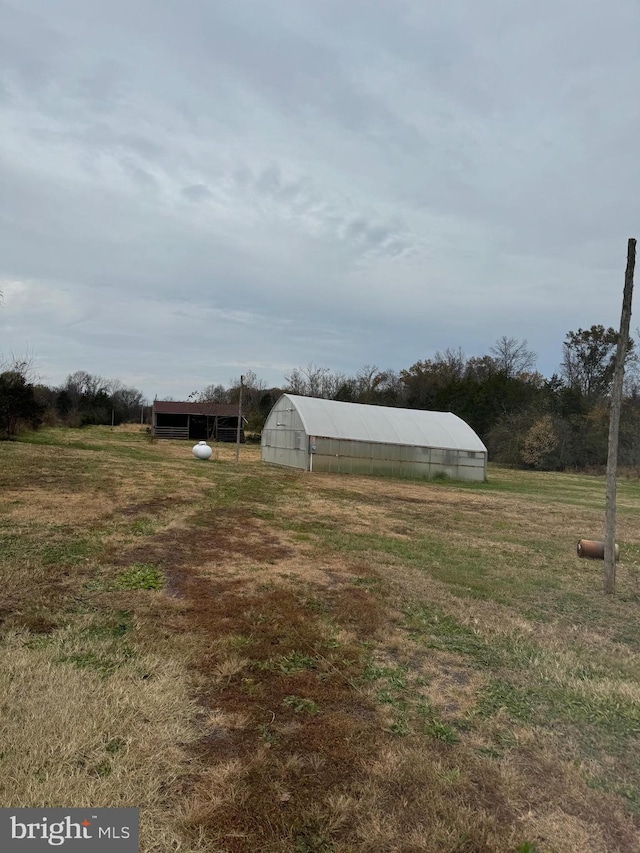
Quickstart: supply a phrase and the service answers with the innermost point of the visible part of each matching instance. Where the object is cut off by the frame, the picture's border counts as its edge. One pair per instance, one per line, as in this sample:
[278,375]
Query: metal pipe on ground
[594,550]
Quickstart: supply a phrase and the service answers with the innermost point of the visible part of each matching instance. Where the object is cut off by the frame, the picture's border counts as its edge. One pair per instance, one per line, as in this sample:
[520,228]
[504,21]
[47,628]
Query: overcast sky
[190,189]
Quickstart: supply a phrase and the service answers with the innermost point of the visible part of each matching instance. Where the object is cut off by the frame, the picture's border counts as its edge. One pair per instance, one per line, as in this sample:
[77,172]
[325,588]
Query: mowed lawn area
[266,661]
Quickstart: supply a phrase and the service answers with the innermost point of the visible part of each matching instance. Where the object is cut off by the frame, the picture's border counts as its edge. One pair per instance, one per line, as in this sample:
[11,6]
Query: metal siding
[350,457]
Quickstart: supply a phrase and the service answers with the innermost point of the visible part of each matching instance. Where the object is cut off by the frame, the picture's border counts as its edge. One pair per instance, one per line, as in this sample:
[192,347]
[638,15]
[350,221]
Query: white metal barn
[327,435]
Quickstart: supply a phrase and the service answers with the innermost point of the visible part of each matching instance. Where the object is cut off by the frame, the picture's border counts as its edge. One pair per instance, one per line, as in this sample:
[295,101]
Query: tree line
[524,418]
[81,400]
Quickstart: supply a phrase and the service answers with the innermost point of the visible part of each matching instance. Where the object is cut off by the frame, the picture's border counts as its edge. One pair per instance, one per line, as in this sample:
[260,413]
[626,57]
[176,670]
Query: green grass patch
[370,584]
[47,544]
[68,552]
[295,662]
[629,792]
[437,630]
[49,438]
[399,690]
[518,702]
[115,628]
[140,576]
[612,718]
[394,677]
[116,444]
[235,489]
[288,664]
[475,572]
[103,664]
[300,705]
[143,526]
[441,731]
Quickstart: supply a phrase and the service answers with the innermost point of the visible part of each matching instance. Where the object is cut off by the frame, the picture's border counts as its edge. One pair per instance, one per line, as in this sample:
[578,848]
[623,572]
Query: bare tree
[127,402]
[86,384]
[319,382]
[295,382]
[311,381]
[212,394]
[252,389]
[367,380]
[513,357]
[390,388]
[452,362]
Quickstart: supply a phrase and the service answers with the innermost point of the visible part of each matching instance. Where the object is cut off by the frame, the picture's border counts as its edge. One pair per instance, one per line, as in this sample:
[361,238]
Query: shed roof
[175,407]
[383,424]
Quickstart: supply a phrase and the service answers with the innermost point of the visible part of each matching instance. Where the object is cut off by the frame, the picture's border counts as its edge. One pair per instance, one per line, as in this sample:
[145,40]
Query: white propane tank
[202,450]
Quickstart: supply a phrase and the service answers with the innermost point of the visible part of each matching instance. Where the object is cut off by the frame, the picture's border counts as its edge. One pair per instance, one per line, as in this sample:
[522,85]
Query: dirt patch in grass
[212,541]
[304,732]
[154,506]
[274,660]
[34,599]
[329,573]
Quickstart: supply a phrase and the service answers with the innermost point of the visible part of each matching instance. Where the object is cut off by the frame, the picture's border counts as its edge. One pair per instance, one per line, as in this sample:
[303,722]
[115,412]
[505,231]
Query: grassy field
[264,660]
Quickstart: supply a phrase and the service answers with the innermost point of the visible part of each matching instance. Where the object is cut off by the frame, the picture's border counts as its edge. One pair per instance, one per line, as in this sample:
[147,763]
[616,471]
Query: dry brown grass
[72,738]
[318,674]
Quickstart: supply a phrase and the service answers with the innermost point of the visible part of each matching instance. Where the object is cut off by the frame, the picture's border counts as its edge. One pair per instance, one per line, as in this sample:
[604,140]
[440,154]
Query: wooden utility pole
[614,423]
[239,420]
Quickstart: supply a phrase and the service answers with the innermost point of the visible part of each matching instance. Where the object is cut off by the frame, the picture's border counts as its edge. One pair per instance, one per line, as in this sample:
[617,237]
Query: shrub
[18,404]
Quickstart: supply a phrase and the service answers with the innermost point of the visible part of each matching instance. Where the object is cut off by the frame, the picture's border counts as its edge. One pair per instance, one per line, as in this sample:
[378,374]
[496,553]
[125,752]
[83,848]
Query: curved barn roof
[383,424]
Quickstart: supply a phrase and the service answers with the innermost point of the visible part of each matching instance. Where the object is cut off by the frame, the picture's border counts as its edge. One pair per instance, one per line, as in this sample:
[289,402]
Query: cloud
[274,184]
[197,192]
